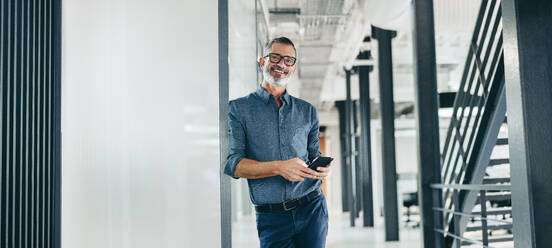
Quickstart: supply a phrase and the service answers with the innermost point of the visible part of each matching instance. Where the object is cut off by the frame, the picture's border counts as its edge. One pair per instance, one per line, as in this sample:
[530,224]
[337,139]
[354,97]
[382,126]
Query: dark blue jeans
[303,227]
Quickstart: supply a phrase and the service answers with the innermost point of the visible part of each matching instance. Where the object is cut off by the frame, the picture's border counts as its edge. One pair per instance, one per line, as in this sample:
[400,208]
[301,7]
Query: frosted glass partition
[242,56]
[140,124]
[242,52]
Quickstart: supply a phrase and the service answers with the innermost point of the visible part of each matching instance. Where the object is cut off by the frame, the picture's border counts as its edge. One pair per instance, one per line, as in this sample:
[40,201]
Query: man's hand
[296,170]
[323,172]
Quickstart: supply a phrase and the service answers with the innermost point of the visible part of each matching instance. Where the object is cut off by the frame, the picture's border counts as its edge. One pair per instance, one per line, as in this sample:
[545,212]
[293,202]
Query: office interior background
[114,119]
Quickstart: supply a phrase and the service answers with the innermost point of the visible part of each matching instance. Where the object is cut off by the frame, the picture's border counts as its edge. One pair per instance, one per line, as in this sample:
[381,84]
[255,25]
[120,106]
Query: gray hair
[279,40]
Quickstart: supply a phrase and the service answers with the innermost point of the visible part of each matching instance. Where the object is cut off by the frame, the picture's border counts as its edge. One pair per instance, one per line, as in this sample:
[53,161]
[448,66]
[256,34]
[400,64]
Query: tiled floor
[340,234]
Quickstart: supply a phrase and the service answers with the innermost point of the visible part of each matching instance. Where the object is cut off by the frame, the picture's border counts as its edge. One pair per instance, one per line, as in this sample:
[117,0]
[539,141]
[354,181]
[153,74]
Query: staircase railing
[479,108]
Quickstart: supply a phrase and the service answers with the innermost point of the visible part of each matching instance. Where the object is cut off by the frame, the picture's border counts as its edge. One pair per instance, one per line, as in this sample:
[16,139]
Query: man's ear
[261,62]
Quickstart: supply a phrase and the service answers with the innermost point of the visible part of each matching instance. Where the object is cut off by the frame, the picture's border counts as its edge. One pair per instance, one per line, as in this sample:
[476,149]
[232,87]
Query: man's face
[279,73]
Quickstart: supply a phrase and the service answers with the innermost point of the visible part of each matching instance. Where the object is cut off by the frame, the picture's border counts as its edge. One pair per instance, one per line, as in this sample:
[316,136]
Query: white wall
[140,124]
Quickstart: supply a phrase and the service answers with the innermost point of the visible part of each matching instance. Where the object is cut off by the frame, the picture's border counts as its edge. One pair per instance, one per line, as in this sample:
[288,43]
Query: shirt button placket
[281,131]
[282,148]
[279,114]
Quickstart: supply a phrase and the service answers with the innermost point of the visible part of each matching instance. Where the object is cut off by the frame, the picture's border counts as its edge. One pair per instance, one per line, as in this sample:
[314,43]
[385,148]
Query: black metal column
[56,122]
[358,169]
[350,121]
[387,109]
[528,76]
[429,163]
[343,145]
[365,146]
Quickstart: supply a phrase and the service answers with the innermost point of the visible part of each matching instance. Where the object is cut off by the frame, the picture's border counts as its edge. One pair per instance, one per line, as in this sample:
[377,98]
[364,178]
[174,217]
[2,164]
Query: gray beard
[271,80]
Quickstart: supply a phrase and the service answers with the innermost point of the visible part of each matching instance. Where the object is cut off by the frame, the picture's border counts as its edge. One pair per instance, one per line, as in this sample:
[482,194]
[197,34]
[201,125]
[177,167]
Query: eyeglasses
[276,58]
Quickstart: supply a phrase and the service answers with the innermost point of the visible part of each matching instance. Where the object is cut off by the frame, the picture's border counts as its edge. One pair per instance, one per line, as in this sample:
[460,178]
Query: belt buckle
[286,208]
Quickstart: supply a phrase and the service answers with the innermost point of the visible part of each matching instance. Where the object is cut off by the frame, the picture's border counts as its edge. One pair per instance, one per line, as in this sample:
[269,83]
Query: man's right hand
[295,170]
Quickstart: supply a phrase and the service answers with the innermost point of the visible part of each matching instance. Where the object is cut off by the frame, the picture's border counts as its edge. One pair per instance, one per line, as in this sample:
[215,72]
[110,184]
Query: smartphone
[320,162]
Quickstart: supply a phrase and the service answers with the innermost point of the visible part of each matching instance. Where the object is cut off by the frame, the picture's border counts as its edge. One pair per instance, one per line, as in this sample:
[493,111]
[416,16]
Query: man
[272,136]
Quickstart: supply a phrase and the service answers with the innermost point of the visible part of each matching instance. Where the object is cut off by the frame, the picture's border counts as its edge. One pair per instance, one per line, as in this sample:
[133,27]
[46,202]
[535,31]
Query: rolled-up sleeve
[313,141]
[236,140]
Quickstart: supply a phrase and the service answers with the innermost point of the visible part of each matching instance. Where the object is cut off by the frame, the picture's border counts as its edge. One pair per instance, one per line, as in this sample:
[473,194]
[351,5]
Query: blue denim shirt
[261,131]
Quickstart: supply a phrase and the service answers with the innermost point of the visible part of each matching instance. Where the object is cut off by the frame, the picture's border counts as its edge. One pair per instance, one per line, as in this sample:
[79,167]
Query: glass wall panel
[140,124]
[243,53]
[242,46]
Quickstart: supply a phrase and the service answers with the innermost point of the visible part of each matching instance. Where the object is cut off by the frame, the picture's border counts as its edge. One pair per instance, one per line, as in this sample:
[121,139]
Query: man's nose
[282,63]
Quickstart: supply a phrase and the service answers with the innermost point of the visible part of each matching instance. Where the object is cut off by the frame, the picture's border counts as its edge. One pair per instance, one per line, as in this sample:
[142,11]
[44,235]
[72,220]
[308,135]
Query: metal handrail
[460,96]
[473,241]
[490,44]
[486,187]
[460,136]
[482,104]
[454,176]
[472,215]
[464,75]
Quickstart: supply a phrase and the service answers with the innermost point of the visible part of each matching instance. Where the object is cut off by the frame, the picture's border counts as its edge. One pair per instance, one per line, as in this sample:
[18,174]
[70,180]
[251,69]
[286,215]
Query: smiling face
[278,74]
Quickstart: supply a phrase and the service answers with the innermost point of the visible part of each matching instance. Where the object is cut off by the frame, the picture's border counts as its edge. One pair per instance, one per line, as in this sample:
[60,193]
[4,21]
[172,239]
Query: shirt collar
[265,96]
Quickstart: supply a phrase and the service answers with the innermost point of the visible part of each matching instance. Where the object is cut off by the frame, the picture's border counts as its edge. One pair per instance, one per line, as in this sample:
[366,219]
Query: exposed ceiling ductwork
[329,34]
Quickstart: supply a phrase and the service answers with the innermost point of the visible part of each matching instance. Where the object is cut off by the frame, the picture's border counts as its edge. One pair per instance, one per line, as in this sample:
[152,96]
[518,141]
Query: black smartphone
[320,162]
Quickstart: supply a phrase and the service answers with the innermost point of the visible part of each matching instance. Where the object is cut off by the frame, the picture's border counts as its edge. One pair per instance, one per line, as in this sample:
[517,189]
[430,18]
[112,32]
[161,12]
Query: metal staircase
[476,205]
[493,222]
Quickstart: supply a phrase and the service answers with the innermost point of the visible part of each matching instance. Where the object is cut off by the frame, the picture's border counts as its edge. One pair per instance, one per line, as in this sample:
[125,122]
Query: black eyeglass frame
[280,59]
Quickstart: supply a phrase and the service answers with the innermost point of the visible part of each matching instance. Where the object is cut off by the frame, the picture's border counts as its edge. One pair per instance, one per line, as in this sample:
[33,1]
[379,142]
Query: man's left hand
[323,172]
